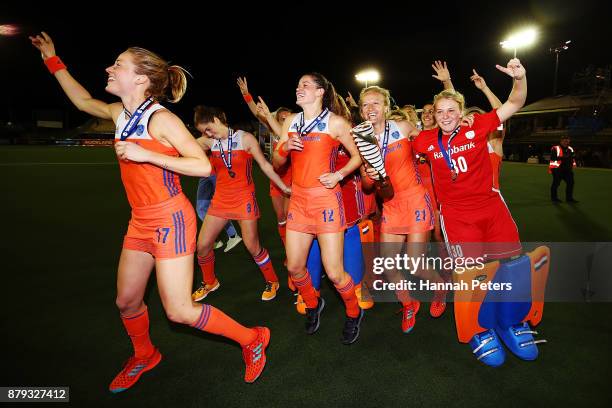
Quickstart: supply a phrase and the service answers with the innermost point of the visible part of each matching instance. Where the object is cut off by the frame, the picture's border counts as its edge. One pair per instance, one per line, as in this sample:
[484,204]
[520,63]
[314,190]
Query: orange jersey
[229,189]
[495,165]
[399,159]
[146,184]
[318,156]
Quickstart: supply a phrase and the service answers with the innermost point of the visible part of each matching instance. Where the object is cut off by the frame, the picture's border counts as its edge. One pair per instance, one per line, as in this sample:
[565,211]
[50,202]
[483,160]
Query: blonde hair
[161,75]
[381,91]
[453,95]
[399,115]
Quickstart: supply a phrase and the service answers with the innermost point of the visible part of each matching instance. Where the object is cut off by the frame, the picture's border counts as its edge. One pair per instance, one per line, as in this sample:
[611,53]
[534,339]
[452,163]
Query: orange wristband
[54,64]
[247,98]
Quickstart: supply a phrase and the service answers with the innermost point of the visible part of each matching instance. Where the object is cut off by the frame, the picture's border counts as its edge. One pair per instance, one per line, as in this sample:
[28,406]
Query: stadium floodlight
[368,76]
[520,39]
[8,30]
[557,50]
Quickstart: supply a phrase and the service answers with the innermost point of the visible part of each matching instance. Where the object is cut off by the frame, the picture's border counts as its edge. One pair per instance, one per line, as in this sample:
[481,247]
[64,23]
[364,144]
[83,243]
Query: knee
[178,314]
[296,270]
[127,304]
[203,248]
[337,276]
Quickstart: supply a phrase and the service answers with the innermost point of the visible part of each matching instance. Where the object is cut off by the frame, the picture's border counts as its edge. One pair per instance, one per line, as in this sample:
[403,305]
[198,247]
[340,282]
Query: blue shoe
[488,349]
[519,340]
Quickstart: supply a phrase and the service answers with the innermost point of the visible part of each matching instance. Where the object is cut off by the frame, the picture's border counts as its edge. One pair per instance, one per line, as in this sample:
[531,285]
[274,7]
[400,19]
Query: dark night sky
[272,48]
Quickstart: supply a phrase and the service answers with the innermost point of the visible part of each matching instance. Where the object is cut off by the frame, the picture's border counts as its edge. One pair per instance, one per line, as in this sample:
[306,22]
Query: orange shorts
[165,230]
[408,212]
[316,210]
[286,177]
[239,207]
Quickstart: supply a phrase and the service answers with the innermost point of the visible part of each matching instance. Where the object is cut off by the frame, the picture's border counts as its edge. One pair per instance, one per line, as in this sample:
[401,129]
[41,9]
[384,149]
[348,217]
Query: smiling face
[448,114]
[122,78]
[427,117]
[307,91]
[373,107]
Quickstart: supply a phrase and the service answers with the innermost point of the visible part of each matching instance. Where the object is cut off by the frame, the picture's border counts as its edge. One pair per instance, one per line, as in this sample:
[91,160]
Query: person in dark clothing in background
[562,163]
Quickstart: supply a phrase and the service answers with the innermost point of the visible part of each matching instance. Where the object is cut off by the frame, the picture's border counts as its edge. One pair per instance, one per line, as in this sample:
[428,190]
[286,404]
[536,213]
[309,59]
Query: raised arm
[253,147]
[518,95]
[480,83]
[248,99]
[264,111]
[442,74]
[169,128]
[78,95]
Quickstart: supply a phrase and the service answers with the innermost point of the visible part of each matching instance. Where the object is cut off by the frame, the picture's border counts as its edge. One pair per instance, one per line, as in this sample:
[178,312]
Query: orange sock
[213,320]
[347,292]
[137,327]
[265,265]
[282,230]
[207,265]
[308,292]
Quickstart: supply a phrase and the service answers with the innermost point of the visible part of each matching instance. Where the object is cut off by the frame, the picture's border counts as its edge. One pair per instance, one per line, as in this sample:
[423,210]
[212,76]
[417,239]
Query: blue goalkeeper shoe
[519,340]
[488,349]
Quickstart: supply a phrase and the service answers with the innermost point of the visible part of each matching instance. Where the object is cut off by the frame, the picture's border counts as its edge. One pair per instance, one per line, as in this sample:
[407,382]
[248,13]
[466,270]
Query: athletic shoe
[438,304]
[132,370]
[204,290]
[300,305]
[218,244]
[313,317]
[232,242]
[269,292]
[519,340]
[487,348]
[254,354]
[363,297]
[409,315]
[350,333]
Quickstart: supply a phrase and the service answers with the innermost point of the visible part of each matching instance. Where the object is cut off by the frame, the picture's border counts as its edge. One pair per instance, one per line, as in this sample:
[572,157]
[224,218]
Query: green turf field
[65,214]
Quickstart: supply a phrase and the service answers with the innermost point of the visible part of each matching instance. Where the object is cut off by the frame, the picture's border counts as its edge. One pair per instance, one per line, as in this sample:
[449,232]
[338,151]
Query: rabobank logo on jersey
[456,149]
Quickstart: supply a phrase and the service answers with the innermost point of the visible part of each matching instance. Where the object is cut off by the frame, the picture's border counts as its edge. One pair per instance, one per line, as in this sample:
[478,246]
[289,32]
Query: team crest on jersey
[140,130]
[321,126]
[470,134]
[430,148]
[395,134]
[234,145]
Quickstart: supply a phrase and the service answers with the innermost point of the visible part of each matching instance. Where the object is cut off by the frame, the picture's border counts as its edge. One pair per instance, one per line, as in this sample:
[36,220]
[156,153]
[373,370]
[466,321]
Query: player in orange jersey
[312,138]
[153,146]
[408,216]
[232,154]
